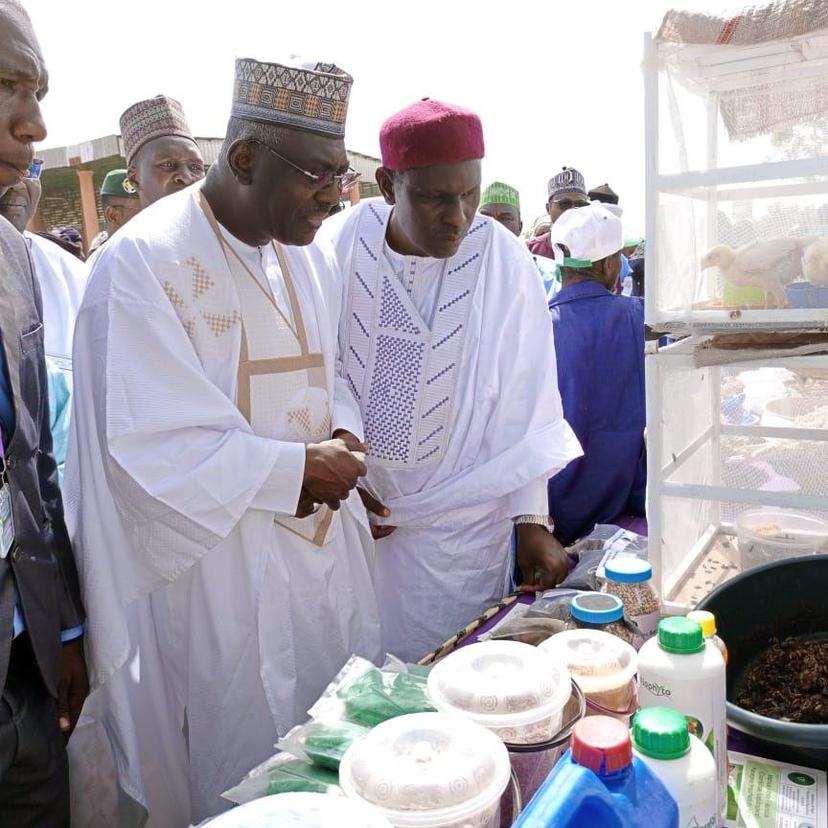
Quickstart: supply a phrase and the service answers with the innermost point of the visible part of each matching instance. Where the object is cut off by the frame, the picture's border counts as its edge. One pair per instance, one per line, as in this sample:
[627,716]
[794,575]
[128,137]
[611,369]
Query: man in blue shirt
[43,680]
[599,342]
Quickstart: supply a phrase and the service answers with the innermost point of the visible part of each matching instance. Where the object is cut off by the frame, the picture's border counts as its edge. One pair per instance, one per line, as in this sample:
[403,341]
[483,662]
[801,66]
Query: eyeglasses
[320,180]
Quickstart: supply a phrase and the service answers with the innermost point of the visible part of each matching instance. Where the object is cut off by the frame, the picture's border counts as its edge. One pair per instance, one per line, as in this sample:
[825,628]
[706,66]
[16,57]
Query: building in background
[72,178]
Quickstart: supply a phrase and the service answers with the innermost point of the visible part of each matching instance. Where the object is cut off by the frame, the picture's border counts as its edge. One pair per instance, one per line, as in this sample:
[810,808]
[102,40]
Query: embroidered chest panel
[402,372]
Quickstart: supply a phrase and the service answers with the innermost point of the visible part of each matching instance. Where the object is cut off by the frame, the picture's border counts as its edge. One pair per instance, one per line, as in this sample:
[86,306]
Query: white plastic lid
[302,810]
[597,660]
[427,769]
[500,684]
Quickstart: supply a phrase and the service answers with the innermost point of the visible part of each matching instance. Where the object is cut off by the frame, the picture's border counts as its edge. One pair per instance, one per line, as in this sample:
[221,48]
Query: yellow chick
[815,268]
[769,265]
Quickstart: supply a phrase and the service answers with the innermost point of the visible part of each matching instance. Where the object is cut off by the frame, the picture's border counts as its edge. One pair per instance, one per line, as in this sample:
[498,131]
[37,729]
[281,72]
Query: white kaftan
[62,280]
[453,364]
[215,618]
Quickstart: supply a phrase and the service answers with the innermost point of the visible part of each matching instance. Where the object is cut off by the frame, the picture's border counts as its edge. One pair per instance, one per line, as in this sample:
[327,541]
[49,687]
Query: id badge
[6,521]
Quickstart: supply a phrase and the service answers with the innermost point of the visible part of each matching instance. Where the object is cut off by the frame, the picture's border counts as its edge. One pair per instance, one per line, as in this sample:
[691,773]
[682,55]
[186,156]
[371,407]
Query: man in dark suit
[42,671]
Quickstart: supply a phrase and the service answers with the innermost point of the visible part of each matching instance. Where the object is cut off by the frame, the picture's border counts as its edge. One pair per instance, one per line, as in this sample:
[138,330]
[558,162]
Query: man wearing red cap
[447,346]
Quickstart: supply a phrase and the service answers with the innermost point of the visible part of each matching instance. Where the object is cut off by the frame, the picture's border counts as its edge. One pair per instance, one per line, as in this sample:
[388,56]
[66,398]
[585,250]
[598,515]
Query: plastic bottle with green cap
[682,670]
[662,741]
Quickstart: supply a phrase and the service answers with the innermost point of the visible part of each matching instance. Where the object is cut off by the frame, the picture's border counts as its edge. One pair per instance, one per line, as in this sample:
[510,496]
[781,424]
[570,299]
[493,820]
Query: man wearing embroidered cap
[162,155]
[502,203]
[599,342]
[221,548]
[441,332]
[119,199]
[566,190]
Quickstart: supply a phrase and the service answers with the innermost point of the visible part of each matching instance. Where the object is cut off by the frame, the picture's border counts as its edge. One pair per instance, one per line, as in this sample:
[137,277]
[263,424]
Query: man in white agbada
[206,396]
[447,345]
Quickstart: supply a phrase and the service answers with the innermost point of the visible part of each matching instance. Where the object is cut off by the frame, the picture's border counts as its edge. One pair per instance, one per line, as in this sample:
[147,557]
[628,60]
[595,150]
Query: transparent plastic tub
[429,770]
[766,534]
[604,667]
[302,810]
[516,691]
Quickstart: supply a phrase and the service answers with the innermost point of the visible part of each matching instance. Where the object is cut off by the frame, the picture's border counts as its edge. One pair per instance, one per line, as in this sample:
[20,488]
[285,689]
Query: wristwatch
[538,520]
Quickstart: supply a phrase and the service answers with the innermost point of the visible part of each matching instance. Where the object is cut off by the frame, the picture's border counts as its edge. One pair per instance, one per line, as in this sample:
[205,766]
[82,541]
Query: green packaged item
[366,695]
[323,743]
[284,773]
[297,776]
[376,697]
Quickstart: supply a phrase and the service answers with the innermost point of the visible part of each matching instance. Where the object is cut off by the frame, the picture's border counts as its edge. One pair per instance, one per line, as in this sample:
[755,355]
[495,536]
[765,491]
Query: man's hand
[352,442]
[542,561]
[307,505]
[332,470]
[374,507]
[73,685]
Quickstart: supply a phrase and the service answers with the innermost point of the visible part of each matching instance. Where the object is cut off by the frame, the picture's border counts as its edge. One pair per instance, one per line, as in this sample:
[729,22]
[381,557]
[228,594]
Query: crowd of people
[292,436]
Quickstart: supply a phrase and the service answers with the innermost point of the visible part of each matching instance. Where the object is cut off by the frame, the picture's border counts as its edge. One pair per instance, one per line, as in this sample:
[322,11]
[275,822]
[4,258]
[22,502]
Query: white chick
[769,265]
[815,268]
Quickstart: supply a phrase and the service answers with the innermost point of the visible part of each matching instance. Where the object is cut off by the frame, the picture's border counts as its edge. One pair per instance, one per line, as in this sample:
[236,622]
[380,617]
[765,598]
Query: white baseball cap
[590,233]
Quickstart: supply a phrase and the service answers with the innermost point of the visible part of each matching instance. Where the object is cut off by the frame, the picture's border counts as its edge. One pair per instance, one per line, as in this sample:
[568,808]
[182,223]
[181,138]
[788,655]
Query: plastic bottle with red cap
[599,781]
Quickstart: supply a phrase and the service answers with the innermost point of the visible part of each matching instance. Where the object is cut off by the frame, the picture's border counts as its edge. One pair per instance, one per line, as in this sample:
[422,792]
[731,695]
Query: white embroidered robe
[453,365]
[212,625]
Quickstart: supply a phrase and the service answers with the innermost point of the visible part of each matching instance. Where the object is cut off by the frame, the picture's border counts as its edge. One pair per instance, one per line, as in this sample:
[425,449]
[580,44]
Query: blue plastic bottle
[598,783]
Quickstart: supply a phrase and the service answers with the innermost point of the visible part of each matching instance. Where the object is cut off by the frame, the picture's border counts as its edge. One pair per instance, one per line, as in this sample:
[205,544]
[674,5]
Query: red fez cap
[428,133]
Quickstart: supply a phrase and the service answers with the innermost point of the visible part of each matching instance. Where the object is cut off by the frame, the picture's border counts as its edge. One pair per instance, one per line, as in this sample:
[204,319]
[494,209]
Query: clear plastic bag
[365,695]
[604,543]
[323,743]
[283,773]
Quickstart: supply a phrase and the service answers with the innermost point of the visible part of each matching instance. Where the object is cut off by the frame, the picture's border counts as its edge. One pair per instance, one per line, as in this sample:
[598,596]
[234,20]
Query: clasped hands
[332,471]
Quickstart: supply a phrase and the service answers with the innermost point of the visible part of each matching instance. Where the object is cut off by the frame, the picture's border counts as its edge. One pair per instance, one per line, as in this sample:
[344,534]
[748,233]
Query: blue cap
[597,608]
[628,570]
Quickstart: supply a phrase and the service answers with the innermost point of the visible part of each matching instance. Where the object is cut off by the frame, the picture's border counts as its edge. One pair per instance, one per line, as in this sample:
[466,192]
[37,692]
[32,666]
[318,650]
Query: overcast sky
[556,83]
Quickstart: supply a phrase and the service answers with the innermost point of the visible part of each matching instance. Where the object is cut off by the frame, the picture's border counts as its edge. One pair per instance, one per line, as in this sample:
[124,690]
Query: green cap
[661,733]
[680,635]
[499,193]
[116,183]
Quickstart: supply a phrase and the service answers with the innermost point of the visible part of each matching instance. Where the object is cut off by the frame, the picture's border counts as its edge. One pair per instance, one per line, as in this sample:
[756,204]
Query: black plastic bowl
[783,598]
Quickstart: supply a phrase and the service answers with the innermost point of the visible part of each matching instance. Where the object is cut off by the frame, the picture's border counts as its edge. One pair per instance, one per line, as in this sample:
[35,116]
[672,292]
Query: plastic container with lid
[681,670]
[604,667]
[769,534]
[429,770]
[599,611]
[630,579]
[662,741]
[599,782]
[515,690]
[302,810]
[707,621]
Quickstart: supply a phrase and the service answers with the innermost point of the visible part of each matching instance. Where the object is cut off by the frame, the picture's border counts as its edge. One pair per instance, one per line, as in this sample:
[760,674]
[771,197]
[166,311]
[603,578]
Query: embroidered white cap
[590,233]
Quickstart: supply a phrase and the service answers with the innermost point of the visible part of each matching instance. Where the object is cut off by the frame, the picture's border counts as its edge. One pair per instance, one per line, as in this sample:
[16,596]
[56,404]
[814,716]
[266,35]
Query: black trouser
[34,772]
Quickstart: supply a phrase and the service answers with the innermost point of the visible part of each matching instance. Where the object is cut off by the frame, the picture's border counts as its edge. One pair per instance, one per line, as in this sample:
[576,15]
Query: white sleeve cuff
[530,500]
[281,488]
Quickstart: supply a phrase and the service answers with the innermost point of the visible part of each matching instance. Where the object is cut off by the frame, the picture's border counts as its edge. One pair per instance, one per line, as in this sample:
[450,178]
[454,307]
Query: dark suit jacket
[41,562]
